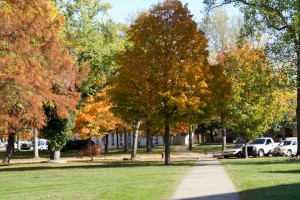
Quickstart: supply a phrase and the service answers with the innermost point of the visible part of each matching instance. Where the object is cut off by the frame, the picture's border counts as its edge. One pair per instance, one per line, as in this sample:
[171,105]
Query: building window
[156,140]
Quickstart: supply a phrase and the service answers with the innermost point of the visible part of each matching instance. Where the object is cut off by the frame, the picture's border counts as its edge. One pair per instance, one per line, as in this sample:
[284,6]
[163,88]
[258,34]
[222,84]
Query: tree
[57,131]
[281,20]
[251,109]
[95,119]
[92,39]
[222,31]
[34,66]
[163,75]
[284,115]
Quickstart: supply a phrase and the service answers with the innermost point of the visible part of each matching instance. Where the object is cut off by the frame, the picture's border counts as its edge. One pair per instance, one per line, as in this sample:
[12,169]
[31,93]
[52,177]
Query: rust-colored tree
[95,118]
[163,76]
[35,69]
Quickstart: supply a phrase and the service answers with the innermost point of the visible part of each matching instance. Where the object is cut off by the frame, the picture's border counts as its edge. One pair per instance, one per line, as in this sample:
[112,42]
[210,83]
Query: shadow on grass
[284,172]
[25,154]
[91,165]
[291,191]
[260,161]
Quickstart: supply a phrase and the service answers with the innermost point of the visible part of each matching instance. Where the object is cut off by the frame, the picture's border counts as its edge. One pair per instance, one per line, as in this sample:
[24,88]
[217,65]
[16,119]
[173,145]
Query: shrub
[90,151]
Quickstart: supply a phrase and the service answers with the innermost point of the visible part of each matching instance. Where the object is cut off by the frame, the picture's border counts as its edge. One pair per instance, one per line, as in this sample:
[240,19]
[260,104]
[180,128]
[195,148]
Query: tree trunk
[211,133]
[190,139]
[298,91]
[135,139]
[55,155]
[152,145]
[171,140]
[224,133]
[117,134]
[246,150]
[149,140]
[18,142]
[9,147]
[106,143]
[36,146]
[125,141]
[167,143]
[89,145]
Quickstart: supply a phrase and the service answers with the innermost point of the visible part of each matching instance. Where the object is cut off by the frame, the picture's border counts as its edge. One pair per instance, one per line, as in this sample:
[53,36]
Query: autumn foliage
[95,117]
[163,77]
[35,68]
[90,151]
[252,106]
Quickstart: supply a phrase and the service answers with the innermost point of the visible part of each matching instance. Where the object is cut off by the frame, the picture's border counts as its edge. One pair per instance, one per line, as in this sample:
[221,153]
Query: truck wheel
[289,153]
[260,153]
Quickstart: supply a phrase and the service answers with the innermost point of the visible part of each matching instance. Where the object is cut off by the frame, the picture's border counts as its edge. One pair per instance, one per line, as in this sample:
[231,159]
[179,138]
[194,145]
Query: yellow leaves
[165,75]
[285,104]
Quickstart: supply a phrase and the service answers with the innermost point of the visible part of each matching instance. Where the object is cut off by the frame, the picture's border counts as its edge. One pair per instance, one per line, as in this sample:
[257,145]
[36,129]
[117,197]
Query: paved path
[206,181]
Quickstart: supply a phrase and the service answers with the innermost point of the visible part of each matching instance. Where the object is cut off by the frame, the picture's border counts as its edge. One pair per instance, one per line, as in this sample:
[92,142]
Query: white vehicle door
[269,146]
[294,147]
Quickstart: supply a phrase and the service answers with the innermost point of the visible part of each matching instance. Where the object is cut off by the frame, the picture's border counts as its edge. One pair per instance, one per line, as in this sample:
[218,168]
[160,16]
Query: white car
[287,148]
[235,151]
[2,144]
[43,144]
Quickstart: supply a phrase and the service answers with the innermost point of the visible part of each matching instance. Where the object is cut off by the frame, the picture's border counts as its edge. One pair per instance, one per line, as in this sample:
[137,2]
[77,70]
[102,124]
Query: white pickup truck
[261,147]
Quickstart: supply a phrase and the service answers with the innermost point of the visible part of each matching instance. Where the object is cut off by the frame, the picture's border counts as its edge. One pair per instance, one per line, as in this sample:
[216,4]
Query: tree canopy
[92,40]
[164,74]
[252,106]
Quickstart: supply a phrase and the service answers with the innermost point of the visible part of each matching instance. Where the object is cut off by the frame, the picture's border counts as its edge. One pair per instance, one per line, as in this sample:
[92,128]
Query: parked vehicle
[42,145]
[26,146]
[288,148]
[235,151]
[261,147]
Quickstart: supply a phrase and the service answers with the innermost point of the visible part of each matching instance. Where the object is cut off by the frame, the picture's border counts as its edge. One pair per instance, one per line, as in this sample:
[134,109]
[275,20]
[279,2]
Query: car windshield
[287,142]
[258,141]
[237,146]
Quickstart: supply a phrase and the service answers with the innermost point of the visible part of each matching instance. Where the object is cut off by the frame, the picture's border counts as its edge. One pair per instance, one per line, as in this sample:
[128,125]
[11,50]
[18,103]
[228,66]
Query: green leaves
[251,108]
[92,40]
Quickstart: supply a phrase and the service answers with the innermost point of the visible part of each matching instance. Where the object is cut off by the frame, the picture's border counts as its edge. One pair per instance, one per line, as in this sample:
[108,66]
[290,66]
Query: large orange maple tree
[163,77]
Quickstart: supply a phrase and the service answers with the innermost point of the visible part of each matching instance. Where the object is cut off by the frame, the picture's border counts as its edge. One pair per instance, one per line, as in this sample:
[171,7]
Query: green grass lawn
[92,180]
[265,178]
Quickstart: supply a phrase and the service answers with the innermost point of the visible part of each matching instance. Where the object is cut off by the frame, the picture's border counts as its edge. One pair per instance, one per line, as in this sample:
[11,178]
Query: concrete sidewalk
[206,181]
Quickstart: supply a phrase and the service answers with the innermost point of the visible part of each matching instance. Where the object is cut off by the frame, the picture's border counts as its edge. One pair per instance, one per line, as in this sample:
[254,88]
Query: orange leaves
[164,76]
[95,118]
[34,66]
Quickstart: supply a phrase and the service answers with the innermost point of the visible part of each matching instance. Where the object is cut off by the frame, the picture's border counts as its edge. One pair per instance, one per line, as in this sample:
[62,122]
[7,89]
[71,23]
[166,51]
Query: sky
[121,8]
